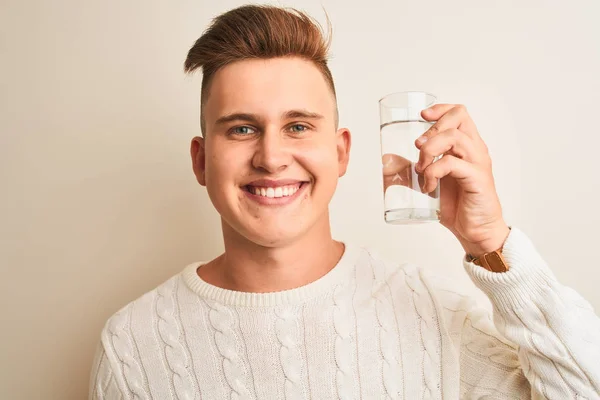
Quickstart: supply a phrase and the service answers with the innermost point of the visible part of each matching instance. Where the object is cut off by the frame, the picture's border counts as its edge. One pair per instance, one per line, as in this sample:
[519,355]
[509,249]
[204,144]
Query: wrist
[493,243]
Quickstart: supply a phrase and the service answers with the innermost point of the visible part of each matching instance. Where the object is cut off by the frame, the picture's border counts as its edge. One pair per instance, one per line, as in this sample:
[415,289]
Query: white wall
[99,204]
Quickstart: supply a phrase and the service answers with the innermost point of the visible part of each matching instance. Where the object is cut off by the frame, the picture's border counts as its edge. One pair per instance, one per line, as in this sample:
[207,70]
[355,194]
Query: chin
[272,238]
[269,232]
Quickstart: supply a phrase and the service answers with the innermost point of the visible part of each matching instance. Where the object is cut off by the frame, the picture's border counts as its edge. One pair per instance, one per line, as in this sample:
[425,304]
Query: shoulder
[407,283]
[397,274]
[142,315]
[134,336]
[421,285]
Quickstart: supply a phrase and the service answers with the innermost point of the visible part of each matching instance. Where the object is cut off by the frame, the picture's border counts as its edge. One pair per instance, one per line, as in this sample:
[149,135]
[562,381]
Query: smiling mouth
[274,192]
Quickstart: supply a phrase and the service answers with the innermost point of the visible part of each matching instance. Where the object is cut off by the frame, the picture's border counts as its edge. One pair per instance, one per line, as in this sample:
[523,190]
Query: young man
[286,312]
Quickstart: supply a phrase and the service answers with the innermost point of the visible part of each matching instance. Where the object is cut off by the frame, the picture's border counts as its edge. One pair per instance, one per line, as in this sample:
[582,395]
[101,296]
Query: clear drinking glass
[401,125]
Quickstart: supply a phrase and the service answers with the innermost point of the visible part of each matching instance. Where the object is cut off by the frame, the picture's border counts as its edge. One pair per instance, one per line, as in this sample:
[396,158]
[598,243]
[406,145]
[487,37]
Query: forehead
[269,88]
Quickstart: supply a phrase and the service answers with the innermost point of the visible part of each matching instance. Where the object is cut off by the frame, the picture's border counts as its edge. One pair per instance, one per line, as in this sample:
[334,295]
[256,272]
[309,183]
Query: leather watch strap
[492,261]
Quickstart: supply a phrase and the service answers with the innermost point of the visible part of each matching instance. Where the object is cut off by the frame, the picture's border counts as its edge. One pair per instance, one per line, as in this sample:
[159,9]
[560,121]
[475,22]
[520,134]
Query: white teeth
[270,192]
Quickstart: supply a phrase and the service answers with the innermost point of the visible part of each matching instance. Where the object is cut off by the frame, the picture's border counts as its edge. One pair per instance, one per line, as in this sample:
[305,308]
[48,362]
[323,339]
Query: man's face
[271,155]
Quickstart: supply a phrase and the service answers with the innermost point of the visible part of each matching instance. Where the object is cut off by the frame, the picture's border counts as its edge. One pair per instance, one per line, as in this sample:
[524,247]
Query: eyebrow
[290,114]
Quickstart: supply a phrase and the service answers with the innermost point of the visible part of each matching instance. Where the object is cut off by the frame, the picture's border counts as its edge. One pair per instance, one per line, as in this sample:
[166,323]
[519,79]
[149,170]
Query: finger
[451,141]
[434,112]
[403,180]
[397,170]
[393,164]
[406,179]
[448,116]
[465,173]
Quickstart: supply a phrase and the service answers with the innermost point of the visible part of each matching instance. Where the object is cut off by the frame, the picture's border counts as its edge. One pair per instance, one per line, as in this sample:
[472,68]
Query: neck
[248,267]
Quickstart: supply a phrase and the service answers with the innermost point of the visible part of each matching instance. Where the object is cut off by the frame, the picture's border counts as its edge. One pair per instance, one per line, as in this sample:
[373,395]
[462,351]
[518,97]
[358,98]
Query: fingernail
[421,139]
[418,167]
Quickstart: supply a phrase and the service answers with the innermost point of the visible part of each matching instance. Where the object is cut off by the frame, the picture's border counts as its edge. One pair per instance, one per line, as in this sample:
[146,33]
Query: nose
[272,153]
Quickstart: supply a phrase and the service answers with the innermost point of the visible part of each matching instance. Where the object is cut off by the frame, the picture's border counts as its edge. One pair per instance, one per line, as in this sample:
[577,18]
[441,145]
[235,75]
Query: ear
[197,151]
[344,140]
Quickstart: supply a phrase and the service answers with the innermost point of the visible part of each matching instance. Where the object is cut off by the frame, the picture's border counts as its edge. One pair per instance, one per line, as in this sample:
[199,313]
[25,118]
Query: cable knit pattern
[391,368]
[123,345]
[429,332]
[175,353]
[469,391]
[343,323]
[553,347]
[104,376]
[222,320]
[105,386]
[493,349]
[367,329]
[545,320]
[286,328]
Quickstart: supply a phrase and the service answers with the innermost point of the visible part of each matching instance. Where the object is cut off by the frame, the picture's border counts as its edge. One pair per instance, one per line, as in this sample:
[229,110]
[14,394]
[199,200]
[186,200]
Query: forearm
[556,331]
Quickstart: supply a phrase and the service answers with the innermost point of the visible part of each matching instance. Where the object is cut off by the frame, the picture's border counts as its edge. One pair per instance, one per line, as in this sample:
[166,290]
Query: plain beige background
[99,204]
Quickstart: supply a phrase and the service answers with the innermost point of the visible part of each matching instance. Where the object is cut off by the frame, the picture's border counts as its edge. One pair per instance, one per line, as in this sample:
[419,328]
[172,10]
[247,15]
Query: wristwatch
[492,261]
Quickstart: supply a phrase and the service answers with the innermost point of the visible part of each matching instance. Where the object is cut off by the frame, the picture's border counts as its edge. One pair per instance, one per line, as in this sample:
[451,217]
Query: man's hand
[469,204]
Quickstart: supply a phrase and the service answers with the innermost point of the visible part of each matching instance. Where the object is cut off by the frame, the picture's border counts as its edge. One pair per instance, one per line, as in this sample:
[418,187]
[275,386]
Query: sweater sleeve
[555,332]
[103,384]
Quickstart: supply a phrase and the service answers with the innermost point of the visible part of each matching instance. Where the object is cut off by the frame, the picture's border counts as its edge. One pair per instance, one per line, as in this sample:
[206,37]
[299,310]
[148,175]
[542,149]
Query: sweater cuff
[527,280]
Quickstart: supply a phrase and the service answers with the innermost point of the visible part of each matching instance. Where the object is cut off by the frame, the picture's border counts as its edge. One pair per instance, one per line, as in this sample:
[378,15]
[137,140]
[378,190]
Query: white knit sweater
[367,330]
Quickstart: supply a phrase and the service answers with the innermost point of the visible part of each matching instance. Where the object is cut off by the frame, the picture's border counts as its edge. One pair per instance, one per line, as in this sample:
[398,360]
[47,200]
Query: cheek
[320,160]
[223,157]
[220,165]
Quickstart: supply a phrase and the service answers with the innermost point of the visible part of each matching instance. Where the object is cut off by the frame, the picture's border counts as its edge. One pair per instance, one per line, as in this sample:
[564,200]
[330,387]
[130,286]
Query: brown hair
[258,32]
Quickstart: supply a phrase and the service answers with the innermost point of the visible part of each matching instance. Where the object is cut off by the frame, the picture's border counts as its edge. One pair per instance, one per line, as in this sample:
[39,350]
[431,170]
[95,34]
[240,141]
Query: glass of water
[400,125]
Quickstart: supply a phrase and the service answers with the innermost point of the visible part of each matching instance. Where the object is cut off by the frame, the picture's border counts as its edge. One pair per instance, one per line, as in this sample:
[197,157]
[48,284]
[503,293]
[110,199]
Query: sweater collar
[338,275]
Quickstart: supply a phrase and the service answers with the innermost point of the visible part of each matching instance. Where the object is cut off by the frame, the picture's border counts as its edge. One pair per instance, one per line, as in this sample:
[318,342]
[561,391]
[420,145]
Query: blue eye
[242,130]
[302,128]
